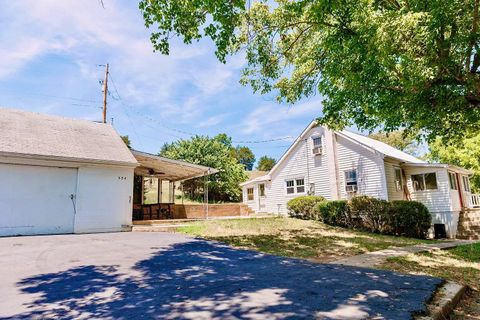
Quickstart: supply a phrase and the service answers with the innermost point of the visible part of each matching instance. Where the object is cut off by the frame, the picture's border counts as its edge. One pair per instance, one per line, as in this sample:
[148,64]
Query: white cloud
[212,121]
[274,118]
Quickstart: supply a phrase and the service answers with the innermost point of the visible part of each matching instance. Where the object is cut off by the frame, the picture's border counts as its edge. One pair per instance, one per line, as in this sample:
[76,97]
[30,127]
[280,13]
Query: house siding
[390,167]
[438,202]
[325,175]
[369,166]
[300,163]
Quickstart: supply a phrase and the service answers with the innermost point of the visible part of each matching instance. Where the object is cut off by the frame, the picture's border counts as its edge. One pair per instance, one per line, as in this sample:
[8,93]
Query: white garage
[60,175]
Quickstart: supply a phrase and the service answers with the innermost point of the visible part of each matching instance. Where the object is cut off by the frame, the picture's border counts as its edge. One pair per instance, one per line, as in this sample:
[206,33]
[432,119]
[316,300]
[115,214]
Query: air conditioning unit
[351,188]
[317,151]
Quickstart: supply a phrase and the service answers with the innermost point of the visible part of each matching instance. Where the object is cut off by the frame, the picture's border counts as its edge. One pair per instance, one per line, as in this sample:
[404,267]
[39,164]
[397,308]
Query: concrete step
[158,228]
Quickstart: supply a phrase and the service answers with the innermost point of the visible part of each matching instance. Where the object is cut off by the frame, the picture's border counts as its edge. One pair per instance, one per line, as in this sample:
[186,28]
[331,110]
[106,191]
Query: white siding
[438,202]
[104,199]
[369,165]
[301,163]
[393,194]
[36,199]
[435,200]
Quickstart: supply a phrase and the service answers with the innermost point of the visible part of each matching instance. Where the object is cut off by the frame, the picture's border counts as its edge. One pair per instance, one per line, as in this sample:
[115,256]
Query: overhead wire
[191,134]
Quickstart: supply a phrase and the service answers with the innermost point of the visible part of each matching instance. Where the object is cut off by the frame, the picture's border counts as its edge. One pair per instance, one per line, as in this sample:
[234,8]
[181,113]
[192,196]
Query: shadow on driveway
[204,280]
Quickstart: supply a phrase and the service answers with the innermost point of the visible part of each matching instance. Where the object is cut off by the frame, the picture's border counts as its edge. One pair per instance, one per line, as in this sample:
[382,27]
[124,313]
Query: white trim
[295,186]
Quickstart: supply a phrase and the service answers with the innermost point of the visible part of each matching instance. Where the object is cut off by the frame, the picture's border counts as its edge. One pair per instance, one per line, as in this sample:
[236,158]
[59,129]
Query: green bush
[372,214]
[411,218]
[335,213]
[407,218]
[304,207]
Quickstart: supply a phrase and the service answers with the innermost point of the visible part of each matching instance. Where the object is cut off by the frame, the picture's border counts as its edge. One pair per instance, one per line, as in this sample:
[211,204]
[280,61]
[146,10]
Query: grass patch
[460,264]
[294,237]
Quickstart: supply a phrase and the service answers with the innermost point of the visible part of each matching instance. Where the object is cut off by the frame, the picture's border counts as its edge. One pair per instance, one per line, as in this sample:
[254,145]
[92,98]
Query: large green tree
[244,156]
[400,140]
[464,153]
[212,152]
[410,64]
[265,163]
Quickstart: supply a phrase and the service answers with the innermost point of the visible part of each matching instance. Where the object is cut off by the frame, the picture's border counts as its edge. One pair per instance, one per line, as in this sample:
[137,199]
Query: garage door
[36,200]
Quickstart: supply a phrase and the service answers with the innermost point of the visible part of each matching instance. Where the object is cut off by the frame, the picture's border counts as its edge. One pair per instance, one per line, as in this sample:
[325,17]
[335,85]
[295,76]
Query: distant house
[61,175]
[342,164]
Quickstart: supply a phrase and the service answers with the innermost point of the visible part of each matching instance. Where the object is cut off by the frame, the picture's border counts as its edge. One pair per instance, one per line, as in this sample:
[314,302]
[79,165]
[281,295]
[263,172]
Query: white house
[61,175]
[342,164]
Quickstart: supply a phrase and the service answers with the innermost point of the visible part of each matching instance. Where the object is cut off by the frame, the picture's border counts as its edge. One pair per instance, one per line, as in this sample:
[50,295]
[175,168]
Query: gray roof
[41,136]
[381,147]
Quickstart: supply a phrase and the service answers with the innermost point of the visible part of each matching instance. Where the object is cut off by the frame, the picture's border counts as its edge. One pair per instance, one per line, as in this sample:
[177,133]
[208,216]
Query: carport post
[205,193]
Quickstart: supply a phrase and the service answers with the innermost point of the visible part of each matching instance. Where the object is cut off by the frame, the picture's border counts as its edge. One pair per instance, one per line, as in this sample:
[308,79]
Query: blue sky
[50,51]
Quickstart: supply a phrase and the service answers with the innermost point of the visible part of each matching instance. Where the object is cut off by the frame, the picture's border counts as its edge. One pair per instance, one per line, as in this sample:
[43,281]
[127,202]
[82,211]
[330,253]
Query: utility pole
[105,92]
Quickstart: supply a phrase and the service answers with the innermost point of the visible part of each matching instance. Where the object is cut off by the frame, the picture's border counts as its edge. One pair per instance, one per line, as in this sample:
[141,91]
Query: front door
[261,197]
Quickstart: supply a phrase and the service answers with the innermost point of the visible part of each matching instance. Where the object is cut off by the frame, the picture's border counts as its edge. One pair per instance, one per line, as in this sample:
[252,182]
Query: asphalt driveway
[170,276]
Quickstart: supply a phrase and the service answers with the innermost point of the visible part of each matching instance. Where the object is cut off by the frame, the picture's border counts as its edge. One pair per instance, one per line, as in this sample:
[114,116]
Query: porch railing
[475,200]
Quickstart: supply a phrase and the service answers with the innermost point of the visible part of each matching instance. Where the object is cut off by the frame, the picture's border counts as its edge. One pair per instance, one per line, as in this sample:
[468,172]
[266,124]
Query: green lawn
[294,237]
[460,264]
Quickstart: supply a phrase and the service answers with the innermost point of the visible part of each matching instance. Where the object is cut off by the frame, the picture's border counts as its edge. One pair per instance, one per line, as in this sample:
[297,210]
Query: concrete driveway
[170,276]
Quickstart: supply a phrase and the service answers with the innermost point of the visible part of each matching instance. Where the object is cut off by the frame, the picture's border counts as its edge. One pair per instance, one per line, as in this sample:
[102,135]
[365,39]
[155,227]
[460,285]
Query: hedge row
[408,218]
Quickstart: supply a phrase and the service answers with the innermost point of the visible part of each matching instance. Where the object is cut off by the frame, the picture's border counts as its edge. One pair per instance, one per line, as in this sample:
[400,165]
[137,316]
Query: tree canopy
[244,156]
[213,152]
[464,153]
[410,64]
[265,163]
[400,140]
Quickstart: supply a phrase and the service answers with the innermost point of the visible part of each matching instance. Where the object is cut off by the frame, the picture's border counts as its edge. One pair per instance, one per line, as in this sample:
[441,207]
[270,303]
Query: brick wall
[189,211]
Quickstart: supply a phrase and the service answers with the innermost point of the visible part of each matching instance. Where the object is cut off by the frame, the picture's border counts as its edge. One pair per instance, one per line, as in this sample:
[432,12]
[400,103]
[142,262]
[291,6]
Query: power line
[58,97]
[162,124]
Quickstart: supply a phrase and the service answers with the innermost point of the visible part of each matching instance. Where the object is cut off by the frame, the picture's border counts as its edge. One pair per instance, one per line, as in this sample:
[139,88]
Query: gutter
[68,159]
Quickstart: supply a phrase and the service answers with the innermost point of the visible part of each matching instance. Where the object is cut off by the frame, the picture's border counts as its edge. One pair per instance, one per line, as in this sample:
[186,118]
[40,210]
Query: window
[250,194]
[351,183]
[295,186]
[453,180]
[261,190]
[290,186]
[317,141]
[398,179]
[300,185]
[466,184]
[431,181]
[424,181]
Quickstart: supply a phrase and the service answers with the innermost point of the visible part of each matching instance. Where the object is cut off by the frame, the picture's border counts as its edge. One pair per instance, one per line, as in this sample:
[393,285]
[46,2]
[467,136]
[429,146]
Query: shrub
[335,213]
[304,207]
[372,214]
[411,218]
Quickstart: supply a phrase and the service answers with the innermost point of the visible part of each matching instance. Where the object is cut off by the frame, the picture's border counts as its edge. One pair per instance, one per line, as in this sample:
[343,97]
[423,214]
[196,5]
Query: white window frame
[454,183]
[295,186]
[424,181]
[350,181]
[466,184]
[252,194]
[398,183]
[317,138]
